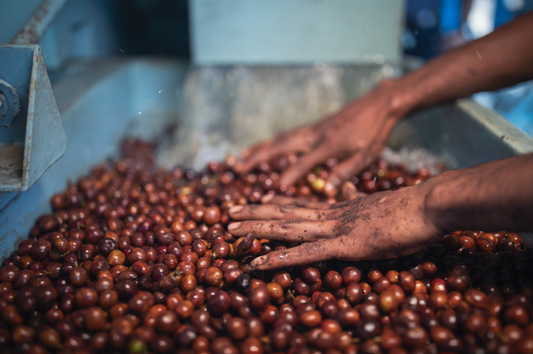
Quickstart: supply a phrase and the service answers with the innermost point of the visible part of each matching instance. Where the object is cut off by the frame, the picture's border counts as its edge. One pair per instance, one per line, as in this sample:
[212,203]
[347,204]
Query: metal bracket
[30,144]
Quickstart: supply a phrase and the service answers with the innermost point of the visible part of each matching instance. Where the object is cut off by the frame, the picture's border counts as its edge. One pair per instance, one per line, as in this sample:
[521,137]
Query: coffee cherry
[50,339]
[162,344]
[350,275]
[252,345]
[95,318]
[136,259]
[78,277]
[213,276]
[236,328]
[283,279]
[219,302]
[311,275]
[407,281]
[354,293]
[333,280]
[475,298]
[310,319]
[517,315]
[275,291]
[259,298]
[116,257]
[212,215]
[388,301]
[40,249]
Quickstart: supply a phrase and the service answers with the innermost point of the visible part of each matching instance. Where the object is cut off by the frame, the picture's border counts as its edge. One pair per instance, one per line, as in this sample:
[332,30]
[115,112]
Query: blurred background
[295,32]
[267,32]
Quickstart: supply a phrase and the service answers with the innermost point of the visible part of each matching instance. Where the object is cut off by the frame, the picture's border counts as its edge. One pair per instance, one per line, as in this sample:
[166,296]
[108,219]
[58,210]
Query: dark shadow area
[152,27]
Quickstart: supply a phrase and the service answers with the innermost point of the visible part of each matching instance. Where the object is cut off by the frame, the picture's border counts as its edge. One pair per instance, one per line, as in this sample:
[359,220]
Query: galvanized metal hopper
[31,131]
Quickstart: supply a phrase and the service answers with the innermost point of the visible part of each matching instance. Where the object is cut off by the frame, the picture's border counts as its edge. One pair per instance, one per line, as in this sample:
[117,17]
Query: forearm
[492,196]
[497,60]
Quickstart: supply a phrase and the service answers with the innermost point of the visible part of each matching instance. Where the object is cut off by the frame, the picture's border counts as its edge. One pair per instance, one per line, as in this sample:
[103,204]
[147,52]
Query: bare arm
[493,196]
[357,134]
[497,60]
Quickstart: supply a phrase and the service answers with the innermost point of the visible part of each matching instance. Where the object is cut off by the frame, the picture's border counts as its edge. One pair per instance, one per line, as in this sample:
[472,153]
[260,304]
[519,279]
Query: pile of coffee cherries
[136,259]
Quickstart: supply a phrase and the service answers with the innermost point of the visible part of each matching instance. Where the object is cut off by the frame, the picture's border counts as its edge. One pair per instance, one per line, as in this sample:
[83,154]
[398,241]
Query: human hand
[382,225]
[356,136]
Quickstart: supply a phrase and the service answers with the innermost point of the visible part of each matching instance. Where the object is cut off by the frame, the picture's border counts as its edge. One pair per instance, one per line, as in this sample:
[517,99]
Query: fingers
[245,245]
[275,212]
[349,191]
[286,230]
[297,141]
[301,202]
[358,161]
[304,164]
[308,252]
[348,168]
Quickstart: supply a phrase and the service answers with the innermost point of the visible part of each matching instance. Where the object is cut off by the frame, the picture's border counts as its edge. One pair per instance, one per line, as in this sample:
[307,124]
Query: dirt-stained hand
[355,136]
[382,225]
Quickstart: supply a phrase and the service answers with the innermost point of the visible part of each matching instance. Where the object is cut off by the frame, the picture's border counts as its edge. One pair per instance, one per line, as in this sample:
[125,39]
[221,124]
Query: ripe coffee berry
[138,259]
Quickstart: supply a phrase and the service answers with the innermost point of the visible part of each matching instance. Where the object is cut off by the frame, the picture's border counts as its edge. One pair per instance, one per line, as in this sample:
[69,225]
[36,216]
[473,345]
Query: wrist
[492,196]
[400,100]
[437,206]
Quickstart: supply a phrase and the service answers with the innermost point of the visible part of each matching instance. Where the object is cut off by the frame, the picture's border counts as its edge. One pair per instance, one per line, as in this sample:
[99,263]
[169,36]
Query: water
[414,159]
[228,108]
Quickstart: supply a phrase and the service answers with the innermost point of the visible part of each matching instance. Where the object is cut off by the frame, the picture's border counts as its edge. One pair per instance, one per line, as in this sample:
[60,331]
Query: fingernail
[236,209]
[234,226]
[259,261]
[267,198]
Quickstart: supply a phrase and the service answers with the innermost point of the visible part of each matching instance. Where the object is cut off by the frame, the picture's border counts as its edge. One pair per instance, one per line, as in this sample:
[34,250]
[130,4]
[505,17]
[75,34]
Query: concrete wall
[295,31]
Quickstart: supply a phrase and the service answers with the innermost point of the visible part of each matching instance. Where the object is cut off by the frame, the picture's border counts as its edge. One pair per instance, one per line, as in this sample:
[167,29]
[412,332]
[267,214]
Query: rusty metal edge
[29,121]
[517,140]
[38,23]
[37,60]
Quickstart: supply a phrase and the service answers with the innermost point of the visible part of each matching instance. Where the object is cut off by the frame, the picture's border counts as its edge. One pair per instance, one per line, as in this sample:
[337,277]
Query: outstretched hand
[382,225]
[356,136]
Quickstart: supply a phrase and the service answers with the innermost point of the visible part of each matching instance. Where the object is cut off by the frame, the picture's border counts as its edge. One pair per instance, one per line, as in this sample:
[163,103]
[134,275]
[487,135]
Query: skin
[357,134]
[390,224]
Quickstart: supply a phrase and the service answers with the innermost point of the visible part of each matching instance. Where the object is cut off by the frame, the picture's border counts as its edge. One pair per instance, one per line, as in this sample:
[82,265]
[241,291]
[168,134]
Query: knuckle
[328,229]
[333,214]
[313,248]
[334,225]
